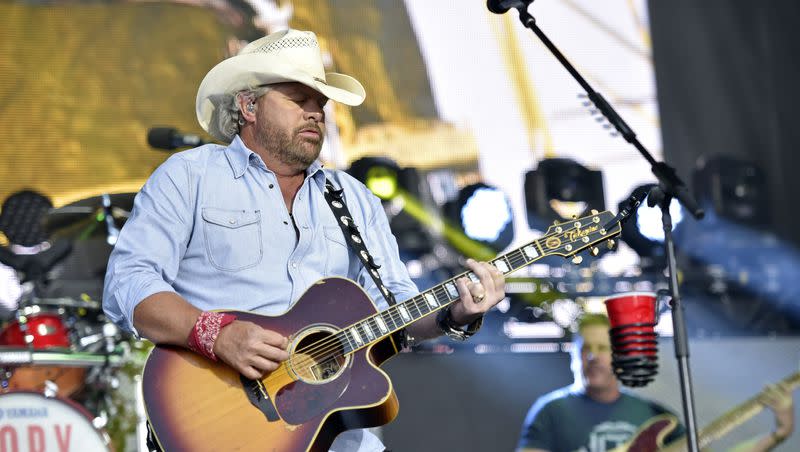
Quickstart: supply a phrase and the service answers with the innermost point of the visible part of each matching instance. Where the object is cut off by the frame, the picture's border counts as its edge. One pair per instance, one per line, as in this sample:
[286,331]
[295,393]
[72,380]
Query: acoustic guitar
[650,437]
[332,381]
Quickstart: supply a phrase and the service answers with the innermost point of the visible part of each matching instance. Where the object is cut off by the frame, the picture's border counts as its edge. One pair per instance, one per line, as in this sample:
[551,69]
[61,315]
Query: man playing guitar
[246,226]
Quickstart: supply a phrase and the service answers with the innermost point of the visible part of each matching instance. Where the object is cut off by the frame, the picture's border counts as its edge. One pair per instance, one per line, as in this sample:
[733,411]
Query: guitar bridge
[257,395]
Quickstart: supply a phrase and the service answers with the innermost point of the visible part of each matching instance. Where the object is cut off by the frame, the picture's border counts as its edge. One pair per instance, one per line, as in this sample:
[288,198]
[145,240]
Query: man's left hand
[478,297]
[779,398]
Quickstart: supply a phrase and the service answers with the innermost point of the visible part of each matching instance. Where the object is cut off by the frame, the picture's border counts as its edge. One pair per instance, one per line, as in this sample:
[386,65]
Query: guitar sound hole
[318,357]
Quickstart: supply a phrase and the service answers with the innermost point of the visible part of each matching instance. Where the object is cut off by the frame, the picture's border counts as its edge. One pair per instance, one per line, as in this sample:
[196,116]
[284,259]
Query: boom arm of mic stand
[667,178]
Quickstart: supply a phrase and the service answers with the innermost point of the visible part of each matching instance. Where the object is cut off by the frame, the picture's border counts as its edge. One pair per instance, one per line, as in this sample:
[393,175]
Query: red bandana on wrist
[205,331]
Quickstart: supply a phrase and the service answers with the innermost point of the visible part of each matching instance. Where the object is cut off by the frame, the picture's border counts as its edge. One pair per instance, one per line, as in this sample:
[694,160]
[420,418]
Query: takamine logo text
[577,234]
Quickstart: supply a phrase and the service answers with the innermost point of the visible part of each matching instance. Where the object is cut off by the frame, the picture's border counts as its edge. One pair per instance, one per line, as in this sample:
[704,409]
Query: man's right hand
[253,351]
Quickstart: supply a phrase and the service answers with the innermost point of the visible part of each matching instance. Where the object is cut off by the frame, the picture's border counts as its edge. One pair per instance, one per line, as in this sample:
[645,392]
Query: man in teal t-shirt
[595,415]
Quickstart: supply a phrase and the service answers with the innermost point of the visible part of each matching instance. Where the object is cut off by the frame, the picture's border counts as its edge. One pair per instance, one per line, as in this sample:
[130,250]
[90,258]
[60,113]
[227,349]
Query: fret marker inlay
[451,290]
[404,313]
[501,265]
[368,330]
[356,336]
[381,324]
[431,300]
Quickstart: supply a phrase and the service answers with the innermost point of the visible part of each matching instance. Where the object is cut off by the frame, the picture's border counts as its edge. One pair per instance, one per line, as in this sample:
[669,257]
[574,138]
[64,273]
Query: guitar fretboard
[399,316]
[737,416]
[562,239]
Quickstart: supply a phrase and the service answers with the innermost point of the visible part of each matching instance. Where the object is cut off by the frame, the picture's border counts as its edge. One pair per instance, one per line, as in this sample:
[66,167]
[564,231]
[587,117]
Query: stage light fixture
[484,214]
[400,191]
[379,174]
[732,188]
[559,189]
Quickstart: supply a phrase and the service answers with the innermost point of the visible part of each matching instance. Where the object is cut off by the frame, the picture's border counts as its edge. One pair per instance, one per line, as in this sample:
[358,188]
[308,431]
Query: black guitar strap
[353,237]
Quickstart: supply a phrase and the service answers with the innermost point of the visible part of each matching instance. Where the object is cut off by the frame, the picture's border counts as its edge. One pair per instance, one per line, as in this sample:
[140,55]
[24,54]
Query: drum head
[31,421]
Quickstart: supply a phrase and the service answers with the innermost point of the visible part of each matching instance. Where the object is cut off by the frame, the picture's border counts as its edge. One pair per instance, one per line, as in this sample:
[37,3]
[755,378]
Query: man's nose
[313,111]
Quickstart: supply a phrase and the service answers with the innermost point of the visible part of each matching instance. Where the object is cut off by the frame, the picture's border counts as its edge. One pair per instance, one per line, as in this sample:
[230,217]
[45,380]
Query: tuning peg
[594,251]
[611,244]
[555,222]
[577,260]
[594,212]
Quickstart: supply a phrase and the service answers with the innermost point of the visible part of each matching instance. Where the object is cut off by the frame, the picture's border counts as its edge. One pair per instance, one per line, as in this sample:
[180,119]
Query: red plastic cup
[633,317]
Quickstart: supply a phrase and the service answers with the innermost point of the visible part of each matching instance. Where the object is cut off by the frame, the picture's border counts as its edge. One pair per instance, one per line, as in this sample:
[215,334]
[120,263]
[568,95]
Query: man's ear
[247,108]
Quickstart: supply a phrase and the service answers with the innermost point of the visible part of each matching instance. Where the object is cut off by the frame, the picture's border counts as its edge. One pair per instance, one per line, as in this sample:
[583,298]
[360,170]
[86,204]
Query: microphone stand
[670,186]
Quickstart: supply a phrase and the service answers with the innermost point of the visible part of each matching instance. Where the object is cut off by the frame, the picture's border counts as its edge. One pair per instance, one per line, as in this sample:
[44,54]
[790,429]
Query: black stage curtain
[727,73]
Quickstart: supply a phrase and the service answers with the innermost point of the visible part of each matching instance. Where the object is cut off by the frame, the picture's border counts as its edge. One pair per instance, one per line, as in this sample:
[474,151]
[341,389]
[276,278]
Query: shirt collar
[239,157]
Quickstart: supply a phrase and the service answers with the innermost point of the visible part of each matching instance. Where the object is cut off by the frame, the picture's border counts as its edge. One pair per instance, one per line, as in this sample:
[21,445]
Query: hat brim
[243,72]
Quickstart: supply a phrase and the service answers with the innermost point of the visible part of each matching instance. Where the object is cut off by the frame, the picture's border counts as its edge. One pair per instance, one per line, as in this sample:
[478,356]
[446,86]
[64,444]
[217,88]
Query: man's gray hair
[226,118]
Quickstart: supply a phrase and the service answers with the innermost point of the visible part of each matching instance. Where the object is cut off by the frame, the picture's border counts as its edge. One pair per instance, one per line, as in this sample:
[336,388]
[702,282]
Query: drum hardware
[52,348]
[50,389]
[17,356]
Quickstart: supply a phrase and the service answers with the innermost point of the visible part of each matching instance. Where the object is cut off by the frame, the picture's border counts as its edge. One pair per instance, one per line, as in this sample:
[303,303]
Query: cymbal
[82,213]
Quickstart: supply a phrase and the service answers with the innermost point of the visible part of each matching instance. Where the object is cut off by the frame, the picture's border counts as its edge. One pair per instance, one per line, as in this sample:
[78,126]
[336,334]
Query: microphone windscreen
[161,137]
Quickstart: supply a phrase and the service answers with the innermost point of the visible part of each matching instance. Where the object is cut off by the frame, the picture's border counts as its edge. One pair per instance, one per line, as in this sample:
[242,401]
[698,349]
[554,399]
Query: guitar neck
[737,416]
[561,239]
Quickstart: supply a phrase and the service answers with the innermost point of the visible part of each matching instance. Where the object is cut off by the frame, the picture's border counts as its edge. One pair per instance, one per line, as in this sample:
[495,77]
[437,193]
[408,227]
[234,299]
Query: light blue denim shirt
[211,225]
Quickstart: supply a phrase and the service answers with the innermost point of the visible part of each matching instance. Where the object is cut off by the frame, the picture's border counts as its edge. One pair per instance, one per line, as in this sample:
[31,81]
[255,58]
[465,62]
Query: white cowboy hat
[284,56]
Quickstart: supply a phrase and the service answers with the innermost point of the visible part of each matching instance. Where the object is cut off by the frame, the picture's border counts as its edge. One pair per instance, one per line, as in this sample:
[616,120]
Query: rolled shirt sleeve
[147,255]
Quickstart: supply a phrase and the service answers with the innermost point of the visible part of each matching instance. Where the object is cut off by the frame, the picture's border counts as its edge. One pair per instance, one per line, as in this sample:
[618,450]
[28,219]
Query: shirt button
[271,185]
[294,264]
[232,221]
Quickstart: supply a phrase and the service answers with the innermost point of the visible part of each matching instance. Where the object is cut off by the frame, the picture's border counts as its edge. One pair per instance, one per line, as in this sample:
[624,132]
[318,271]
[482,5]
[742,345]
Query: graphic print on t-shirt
[608,435]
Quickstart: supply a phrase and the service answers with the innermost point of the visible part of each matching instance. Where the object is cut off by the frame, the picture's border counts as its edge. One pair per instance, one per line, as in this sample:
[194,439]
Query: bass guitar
[650,437]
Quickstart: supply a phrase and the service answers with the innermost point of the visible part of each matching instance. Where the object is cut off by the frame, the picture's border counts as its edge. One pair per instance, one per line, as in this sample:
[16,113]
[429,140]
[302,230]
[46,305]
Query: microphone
[501,6]
[169,138]
[634,348]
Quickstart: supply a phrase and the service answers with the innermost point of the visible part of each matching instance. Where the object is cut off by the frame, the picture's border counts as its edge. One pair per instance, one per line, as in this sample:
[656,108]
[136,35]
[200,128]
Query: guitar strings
[394,314]
[329,348]
[334,343]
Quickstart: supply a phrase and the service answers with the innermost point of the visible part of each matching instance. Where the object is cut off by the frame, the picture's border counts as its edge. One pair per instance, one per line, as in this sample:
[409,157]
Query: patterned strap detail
[205,331]
[352,236]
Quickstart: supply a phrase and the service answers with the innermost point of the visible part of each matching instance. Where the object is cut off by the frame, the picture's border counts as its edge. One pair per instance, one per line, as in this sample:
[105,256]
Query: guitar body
[651,435]
[195,404]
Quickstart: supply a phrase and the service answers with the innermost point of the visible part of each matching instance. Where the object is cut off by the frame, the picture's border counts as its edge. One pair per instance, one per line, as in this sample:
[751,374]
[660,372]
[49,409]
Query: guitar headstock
[571,237]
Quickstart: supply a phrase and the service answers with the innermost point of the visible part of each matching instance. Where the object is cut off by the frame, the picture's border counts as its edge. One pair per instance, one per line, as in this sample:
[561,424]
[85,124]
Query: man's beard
[292,150]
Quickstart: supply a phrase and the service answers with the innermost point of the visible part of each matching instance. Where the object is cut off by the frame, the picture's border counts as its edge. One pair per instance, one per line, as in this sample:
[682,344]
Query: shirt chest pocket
[233,238]
[337,252]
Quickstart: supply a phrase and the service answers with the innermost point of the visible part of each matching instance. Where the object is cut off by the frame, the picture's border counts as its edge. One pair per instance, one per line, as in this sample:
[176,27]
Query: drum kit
[60,358]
